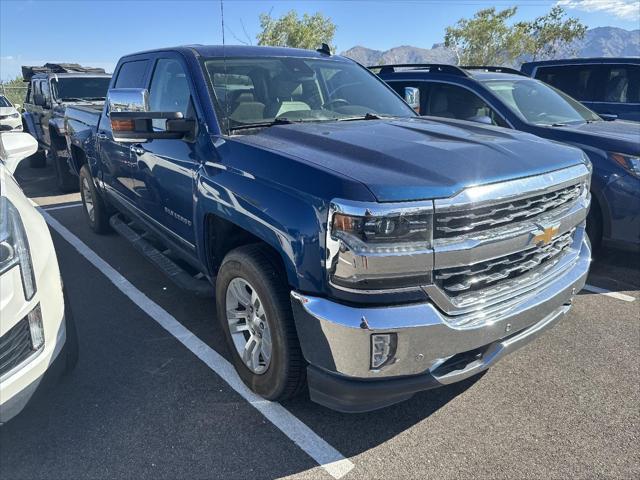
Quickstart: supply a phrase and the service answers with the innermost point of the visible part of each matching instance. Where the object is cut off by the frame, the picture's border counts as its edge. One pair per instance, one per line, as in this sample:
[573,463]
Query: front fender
[278,199]
[290,224]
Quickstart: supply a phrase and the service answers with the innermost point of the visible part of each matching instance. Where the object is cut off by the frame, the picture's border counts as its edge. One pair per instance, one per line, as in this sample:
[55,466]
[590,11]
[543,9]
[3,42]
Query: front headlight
[631,163]
[377,247]
[15,115]
[14,246]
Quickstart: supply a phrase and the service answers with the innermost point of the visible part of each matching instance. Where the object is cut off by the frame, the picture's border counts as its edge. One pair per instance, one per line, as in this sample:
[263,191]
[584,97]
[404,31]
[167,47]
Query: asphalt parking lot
[150,397]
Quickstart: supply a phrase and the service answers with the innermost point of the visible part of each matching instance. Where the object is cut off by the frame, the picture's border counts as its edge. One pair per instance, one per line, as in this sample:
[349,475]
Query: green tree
[547,34]
[15,90]
[289,30]
[488,39]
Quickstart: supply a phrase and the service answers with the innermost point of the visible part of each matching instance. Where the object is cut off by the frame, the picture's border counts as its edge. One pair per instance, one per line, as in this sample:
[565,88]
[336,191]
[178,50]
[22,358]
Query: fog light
[383,349]
[37,330]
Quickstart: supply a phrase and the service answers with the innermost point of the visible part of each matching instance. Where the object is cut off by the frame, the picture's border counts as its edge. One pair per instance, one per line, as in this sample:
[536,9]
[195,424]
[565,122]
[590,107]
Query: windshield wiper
[366,116]
[277,121]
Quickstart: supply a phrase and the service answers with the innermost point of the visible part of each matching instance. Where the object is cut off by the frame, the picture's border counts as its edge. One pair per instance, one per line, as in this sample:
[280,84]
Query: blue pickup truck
[352,246]
[508,98]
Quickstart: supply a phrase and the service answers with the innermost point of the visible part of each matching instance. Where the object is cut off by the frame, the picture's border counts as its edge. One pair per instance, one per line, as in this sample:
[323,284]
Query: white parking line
[60,207]
[332,461]
[609,293]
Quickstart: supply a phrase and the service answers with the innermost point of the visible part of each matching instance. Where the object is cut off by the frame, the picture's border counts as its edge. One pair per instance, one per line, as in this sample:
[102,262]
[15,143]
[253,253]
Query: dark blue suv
[507,98]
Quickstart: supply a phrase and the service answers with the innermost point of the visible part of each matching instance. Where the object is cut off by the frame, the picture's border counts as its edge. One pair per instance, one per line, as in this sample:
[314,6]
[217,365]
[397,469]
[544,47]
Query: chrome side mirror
[412,97]
[132,121]
[128,100]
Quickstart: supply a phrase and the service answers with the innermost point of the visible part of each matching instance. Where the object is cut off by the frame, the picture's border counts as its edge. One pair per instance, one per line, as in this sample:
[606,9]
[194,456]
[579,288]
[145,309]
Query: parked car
[9,116]
[506,98]
[38,339]
[608,86]
[351,242]
[52,88]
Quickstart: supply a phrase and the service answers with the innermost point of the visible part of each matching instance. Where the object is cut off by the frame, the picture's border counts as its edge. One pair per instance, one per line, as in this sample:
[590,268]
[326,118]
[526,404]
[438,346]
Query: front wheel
[254,311]
[95,209]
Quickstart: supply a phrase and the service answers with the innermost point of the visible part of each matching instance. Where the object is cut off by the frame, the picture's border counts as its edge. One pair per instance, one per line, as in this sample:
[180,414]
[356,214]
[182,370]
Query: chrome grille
[15,346]
[461,280]
[457,223]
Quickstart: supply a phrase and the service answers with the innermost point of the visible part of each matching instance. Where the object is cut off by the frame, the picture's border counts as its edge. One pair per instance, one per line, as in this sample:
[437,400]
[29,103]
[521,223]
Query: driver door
[164,170]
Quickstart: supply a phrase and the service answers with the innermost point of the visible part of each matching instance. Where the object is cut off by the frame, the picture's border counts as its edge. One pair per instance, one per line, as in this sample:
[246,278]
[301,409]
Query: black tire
[66,181]
[100,221]
[72,349]
[594,226]
[38,159]
[259,266]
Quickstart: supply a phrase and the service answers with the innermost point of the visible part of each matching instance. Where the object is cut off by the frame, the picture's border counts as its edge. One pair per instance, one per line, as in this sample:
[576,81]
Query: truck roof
[581,61]
[241,51]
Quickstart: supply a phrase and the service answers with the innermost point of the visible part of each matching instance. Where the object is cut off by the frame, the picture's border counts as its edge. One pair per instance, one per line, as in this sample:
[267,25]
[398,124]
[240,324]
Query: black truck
[52,88]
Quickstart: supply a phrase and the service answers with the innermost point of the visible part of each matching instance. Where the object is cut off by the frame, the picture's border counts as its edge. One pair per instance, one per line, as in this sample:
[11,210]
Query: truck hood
[417,159]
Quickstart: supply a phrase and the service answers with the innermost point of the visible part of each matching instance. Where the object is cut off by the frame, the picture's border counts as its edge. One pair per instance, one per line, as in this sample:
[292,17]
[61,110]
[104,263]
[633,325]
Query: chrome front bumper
[336,338]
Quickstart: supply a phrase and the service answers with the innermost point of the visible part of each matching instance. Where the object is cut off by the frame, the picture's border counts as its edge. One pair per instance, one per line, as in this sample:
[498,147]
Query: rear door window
[132,74]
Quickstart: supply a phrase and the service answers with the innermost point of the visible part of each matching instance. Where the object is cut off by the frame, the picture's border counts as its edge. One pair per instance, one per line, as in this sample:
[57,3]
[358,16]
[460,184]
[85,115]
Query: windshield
[260,91]
[80,88]
[538,103]
[4,102]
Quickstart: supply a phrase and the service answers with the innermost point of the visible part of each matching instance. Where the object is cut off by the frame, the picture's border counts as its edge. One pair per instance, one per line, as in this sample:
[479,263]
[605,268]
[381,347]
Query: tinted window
[582,82]
[622,84]
[169,90]
[131,74]
[452,101]
[4,102]
[596,83]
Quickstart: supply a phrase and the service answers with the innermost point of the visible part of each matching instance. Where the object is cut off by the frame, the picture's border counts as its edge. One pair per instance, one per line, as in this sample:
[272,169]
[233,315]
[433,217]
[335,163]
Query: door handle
[137,150]
[102,136]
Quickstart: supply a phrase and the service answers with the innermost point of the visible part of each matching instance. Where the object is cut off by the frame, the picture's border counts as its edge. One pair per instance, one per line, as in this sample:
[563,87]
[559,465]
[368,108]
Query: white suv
[37,335]
[10,118]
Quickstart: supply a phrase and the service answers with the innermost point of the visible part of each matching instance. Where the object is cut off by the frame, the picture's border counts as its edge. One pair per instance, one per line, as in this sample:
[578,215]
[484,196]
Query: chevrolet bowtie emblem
[544,236]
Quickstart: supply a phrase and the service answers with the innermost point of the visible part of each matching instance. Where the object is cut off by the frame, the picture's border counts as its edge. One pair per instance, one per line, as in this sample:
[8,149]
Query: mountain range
[597,42]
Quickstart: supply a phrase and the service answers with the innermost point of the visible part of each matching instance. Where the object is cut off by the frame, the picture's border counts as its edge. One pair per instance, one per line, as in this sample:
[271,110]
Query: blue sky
[98,32]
